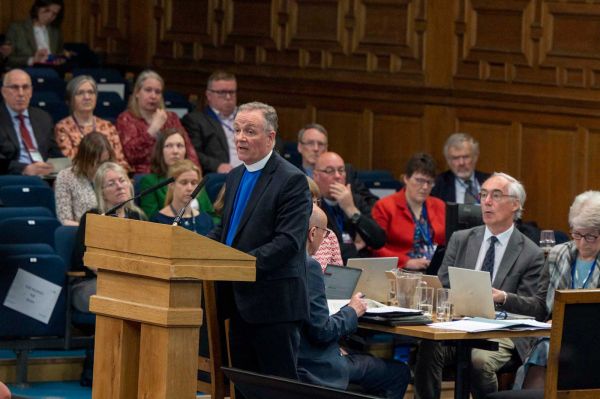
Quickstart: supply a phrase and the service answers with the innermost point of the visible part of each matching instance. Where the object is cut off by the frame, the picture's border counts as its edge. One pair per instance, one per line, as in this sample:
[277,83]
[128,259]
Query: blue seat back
[46,79]
[290,152]
[19,211]
[64,242]
[17,325]
[23,230]
[22,249]
[109,105]
[19,196]
[21,180]
[213,184]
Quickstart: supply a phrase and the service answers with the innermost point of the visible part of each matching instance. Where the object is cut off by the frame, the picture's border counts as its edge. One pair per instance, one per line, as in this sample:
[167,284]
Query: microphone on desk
[193,195]
[140,195]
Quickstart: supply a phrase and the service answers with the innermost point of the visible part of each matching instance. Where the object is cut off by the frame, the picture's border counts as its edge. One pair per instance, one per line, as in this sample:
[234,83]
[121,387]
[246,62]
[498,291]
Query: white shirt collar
[228,118]
[502,237]
[13,114]
[258,165]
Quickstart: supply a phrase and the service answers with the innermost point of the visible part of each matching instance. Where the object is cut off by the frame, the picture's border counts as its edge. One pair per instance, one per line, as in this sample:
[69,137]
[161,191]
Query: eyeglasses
[224,93]
[459,158]
[121,181]
[314,143]
[326,232]
[80,93]
[332,171]
[17,87]
[496,195]
[170,146]
[423,182]
[588,237]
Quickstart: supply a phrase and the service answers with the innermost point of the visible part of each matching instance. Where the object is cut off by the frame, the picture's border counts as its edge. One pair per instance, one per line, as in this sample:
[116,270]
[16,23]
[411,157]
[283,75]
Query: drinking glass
[425,299]
[443,309]
[547,240]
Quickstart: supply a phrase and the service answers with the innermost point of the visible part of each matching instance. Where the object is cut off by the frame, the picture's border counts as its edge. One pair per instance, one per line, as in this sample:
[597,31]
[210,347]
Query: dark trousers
[378,376]
[265,348]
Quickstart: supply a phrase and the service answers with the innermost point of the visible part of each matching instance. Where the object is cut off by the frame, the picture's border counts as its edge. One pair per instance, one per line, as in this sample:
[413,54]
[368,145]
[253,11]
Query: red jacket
[393,215]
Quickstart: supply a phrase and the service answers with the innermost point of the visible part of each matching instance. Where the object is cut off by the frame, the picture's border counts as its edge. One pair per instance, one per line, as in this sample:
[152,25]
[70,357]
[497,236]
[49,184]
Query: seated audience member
[348,212]
[211,129]
[82,94]
[25,132]
[462,182]
[4,391]
[329,252]
[73,189]
[187,176]
[312,142]
[414,222]
[514,264]
[168,149]
[5,51]
[141,125]
[38,39]
[112,186]
[321,360]
[572,265]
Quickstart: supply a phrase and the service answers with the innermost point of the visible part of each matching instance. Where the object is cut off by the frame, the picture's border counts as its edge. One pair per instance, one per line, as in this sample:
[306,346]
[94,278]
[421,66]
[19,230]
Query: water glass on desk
[444,309]
[547,240]
[425,299]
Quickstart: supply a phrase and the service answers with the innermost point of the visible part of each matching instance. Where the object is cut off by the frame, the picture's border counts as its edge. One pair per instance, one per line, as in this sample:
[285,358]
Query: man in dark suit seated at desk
[462,182]
[266,212]
[26,133]
[348,212]
[321,360]
[515,265]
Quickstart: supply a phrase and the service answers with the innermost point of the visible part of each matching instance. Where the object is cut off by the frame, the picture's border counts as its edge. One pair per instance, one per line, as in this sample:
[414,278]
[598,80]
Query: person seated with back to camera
[187,176]
[82,94]
[168,149]
[73,188]
[413,220]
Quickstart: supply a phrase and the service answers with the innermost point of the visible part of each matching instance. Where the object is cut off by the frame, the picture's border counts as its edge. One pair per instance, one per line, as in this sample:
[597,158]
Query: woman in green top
[169,148]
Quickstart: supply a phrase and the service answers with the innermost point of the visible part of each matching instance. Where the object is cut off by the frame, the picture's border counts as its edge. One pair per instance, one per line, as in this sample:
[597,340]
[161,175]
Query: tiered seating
[17,196]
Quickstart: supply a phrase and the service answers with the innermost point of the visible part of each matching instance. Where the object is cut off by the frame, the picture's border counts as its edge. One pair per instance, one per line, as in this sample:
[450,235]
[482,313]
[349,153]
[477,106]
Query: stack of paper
[478,324]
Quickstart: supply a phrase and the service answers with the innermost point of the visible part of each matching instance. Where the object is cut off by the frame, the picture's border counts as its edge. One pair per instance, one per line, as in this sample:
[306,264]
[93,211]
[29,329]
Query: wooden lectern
[148,304]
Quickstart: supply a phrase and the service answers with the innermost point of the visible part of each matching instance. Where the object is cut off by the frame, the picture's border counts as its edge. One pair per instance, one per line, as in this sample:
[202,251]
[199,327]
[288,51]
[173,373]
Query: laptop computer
[471,292]
[373,281]
[436,261]
[340,281]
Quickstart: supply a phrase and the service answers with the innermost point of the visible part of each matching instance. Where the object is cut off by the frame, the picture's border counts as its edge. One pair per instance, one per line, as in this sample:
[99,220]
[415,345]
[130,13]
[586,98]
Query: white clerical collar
[225,118]
[258,165]
[502,237]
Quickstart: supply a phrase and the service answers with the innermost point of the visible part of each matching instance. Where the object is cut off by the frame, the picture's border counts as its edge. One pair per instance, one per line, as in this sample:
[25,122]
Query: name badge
[36,156]
[346,238]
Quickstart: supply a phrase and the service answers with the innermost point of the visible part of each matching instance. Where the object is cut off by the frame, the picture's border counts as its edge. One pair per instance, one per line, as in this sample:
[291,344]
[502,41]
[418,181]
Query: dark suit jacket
[20,34]
[43,130]
[444,185]
[319,360]
[208,138]
[518,274]
[273,228]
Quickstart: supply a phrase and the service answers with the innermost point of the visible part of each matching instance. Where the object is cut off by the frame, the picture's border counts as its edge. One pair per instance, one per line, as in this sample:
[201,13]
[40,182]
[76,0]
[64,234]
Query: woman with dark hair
[73,188]
[38,39]
[82,93]
[414,222]
[168,149]
[187,176]
[141,125]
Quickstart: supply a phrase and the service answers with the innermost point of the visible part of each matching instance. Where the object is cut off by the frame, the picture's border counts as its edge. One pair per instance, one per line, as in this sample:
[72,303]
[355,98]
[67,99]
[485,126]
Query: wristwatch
[354,218]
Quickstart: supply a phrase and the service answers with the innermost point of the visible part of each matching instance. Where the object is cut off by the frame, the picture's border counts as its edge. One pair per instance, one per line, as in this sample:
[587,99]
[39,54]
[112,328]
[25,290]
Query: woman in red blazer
[414,222]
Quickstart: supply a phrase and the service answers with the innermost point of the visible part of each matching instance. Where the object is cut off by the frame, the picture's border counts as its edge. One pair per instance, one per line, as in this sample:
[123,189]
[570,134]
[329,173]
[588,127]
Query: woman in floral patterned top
[73,188]
[82,94]
[144,120]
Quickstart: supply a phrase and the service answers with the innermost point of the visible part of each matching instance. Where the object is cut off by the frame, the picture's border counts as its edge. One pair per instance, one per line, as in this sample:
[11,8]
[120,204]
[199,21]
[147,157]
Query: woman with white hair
[572,265]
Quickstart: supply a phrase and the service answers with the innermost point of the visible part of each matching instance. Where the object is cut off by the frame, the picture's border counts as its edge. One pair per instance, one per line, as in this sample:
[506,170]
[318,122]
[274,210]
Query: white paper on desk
[478,325]
[32,295]
[335,305]
[393,309]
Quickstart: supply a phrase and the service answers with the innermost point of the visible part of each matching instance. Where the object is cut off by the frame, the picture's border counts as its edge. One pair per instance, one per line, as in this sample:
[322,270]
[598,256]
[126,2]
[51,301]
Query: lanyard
[79,127]
[587,279]
[424,232]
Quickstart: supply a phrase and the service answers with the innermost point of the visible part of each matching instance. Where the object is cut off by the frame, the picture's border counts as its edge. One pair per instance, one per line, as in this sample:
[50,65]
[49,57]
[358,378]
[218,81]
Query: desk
[463,342]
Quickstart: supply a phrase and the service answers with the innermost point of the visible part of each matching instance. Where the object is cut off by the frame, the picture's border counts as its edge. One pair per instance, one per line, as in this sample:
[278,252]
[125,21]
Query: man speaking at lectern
[266,213]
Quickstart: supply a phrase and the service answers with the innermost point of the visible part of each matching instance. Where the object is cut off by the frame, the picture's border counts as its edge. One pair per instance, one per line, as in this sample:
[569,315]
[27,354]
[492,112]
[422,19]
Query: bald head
[329,169]
[317,227]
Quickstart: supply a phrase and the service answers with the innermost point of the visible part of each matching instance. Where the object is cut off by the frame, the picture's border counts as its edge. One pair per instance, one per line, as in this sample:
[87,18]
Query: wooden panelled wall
[389,77]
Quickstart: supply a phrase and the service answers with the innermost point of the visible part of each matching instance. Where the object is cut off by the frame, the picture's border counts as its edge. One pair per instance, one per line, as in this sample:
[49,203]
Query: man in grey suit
[26,133]
[514,263]
[211,129]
